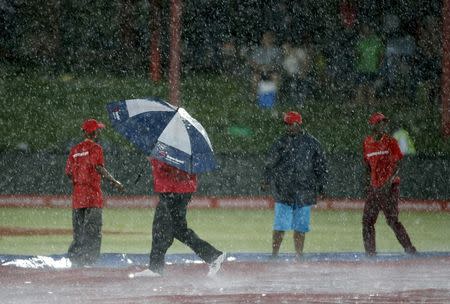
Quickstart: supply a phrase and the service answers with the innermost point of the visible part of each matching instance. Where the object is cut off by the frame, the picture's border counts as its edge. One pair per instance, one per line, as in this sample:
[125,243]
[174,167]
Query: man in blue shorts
[296,172]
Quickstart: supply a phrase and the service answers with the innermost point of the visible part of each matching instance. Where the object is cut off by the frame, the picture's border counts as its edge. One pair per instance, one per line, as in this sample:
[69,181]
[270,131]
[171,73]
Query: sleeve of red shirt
[396,152]
[98,159]
[69,164]
[158,166]
[364,151]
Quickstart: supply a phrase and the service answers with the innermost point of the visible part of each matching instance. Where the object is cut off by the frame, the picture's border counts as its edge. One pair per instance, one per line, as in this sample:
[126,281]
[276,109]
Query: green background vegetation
[46,110]
[246,231]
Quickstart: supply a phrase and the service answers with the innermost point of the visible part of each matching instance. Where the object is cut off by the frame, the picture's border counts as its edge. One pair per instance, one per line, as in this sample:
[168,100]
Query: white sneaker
[214,267]
[146,273]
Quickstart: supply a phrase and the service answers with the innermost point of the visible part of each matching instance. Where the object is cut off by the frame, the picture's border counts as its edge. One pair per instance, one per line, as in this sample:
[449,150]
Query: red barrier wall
[253,202]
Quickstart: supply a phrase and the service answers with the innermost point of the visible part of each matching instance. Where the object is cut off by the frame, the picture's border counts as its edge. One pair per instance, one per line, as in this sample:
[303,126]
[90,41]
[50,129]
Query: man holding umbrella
[175,188]
[85,167]
[178,148]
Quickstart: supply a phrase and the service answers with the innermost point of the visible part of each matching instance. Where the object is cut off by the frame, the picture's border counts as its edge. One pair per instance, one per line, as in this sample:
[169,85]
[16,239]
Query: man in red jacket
[175,188]
[85,167]
[381,156]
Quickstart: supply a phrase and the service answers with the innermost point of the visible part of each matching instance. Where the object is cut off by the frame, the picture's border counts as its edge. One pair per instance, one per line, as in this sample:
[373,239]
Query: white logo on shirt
[377,153]
[80,154]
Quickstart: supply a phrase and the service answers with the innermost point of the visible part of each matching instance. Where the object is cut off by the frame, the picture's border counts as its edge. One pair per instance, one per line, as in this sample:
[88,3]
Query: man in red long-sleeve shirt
[85,167]
[175,188]
[381,156]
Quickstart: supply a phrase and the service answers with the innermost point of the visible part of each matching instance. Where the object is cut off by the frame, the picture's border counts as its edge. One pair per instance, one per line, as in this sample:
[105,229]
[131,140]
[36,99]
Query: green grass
[46,110]
[229,230]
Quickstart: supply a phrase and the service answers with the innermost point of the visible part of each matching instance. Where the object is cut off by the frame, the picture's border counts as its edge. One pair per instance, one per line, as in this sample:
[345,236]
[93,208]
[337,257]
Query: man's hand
[264,186]
[118,185]
[105,174]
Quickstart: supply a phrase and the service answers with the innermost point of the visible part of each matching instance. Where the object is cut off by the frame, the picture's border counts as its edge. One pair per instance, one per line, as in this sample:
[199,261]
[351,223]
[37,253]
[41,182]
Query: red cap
[292,117]
[90,125]
[376,118]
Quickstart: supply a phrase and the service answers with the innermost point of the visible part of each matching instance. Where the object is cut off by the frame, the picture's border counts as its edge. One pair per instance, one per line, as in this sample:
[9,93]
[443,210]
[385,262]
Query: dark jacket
[296,169]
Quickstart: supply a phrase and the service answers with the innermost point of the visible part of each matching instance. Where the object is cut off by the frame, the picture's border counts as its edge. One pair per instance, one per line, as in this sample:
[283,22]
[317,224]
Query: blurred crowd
[291,50]
[361,59]
[364,63]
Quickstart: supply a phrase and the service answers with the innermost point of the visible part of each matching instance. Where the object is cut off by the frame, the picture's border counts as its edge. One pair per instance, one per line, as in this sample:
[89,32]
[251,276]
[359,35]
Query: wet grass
[46,109]
[229,230]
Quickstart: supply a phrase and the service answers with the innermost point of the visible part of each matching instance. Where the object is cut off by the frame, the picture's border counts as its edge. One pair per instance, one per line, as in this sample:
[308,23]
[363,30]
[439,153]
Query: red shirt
[168,179]
[382,157]
[81,166]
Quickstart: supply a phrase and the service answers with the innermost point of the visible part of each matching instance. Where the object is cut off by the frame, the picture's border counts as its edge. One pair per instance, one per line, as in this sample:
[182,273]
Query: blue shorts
[291,217]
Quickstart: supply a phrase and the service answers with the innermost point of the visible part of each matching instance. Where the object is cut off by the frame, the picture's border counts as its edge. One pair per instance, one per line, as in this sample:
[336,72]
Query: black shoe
[411,250]
[76,263]
[298,258]
[371,254]
[274,257]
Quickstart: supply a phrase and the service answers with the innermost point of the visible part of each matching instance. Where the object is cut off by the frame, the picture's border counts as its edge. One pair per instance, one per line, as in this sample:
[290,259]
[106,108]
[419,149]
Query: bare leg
[299,242]
[277,238]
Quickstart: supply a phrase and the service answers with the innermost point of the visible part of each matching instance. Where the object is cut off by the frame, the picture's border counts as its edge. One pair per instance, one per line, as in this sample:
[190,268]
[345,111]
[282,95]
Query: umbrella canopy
[164,132]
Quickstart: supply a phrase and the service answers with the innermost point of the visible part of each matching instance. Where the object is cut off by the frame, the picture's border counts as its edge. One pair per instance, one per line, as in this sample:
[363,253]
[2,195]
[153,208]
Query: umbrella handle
[139,176]
[137,179]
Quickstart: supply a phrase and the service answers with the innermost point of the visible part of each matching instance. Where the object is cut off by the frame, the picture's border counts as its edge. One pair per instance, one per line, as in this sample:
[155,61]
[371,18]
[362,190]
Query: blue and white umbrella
[164,132]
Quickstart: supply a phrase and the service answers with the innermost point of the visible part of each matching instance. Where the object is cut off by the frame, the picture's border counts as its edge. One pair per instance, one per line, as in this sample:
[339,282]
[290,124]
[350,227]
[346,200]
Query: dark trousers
[169,222]
[87,236]
[386,201]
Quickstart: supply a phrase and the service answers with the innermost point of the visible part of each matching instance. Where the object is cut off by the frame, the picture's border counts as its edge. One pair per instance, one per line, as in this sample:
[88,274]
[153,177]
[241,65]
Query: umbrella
[164,132]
